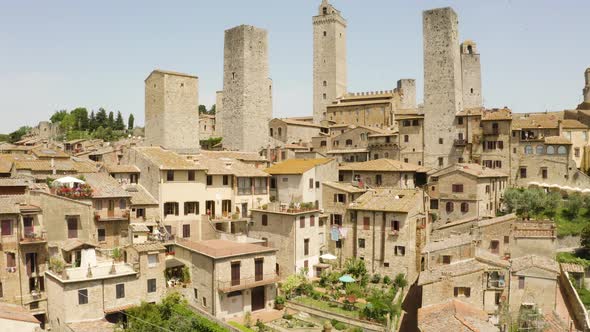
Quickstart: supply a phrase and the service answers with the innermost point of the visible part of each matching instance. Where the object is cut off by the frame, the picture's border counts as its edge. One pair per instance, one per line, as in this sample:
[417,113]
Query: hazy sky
[63,54]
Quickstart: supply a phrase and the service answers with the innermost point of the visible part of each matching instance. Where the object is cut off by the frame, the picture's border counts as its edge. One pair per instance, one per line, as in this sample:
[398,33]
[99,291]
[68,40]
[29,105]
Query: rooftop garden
[571,214]
[80,192]
[351,292]
[293,207]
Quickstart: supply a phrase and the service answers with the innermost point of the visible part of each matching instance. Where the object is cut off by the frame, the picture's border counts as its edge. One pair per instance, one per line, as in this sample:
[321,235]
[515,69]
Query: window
[235,273]
[196,293]
[462,292]
[302,222]
[406,123]
[191,208]
[82,296]
[226,180]
[324,96]
[550,150]
[400,250]
[446,259]
[495,247]
[271,132]
[576,152]
[191,175]
[310,183]
[340,198]
[450,207]
[325,36]
[520,282]
[151,285]
[458,188]
[361,243]
[244,186]
[440,161]
[528,149]
[72,228]
[140,213]
[406,138]
[415,122]
[539,149]
[10,259]
[498,164]
[317,184]
[258,269]
[395,225]
[348,142]
[325,83]
[440,141]
[264,220]
[561,150]
[6,227]
[102,234]
[523,172]
[434,204]
[204,301]
[186,231]
[209,180]
[152,260]
[260,186]
[306,247]
[98,204]
[544,172]
[120,290]
[378,179]
[464,207]
[170,208]
[506,239]
[311,220]
[170,176]
[366,223]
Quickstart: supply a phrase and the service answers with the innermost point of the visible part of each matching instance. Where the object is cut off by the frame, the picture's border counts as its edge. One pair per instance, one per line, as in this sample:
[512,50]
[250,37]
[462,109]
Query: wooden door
[111,211]
[258,298]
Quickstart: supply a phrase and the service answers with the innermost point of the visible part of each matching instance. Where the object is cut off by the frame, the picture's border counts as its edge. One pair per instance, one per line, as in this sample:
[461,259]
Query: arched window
[561,150]
[464,207]
[280,132]
[362,136]
[469,49]
[325,10]
[540,149]
[450,207]
[325,33]
[264,220]
[271,132]
[528,149]
[325,83]
[550,149]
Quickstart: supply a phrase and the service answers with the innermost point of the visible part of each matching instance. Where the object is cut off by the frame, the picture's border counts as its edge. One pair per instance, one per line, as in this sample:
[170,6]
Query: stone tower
[172,111]
[407,87]
[247,89]
[471,75]
[329,58]
[587,86]
[443,92]
[219,114]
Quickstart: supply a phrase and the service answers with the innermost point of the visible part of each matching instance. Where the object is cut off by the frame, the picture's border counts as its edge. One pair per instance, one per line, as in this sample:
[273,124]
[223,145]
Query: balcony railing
[114,215]
[250,282]
[34,237]
[496,283]
[460,142]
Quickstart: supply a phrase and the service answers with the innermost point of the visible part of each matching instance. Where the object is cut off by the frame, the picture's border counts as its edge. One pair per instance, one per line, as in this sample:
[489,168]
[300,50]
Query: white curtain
[88,256]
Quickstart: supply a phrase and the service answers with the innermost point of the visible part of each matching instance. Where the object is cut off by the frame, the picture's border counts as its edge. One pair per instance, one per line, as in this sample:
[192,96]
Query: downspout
[295,244]
[17,257]
[373,251]
[214,300]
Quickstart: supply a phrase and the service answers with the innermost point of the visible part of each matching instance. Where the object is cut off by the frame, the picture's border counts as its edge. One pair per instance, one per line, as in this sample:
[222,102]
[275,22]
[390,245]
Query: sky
[63,54]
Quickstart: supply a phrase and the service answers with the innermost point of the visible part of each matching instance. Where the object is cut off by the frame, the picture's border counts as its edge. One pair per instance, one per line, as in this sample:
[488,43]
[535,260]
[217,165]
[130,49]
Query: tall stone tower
[443,90]
[247,89]
[471,75]
[219,114]
[172,111]
[587,86]
[329,58]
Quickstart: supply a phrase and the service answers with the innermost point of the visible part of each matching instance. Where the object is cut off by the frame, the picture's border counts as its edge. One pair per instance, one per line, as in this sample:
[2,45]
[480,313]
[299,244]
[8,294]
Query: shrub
[338,325]
[376,278]
[400,281]
[279,299]
[287,316]
[248,319]
[56,265]
[387,280]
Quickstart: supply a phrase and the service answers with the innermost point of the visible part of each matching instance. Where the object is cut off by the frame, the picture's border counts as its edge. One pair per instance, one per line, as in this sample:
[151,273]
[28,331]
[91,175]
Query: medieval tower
[586,90]
[219,114]
[471,75]
[247,89]
[329,58]
[443,90]
[172,111]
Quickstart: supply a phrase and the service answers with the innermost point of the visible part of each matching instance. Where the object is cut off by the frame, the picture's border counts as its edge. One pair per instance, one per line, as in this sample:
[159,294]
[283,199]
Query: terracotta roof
[239,155]
[573,124]
[296,122]
[454,315]
[531,121]
[496,220]
[223,248]
[13,182]
[385,199]
[471,169]
[59,165]
[442,272]
[572,267]
[105,186]
[139,227]
[148,246]
[541,262]
[496,114]
[139,195]
[166,159]
[557,140]
[101,325]
[16,312]
[296,166]
[6,164]
[360,150]
[49,153]
[450,242]
[344,186]
[229,166]
[170,72]
[472,111]
[121,168]
[71,244]
[381,165]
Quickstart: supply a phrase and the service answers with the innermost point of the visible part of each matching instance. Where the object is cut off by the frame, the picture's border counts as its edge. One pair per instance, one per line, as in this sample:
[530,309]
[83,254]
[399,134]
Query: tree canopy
[79,123]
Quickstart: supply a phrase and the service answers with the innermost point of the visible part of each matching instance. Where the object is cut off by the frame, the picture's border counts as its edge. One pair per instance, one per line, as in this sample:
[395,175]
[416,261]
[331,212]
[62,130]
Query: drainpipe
[17,257]
[214,300]
[373,251]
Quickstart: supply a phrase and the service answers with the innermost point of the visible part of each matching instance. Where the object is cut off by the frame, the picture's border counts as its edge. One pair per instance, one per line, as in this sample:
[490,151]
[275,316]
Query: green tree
[552,201]
[80,118]
[111,120]
[119,123]
[68,123]
[212,110]
[92,122]
[202,109]
[17,135]
[58,116]
[573,205]
[290,284]
[131,122]
[101,118]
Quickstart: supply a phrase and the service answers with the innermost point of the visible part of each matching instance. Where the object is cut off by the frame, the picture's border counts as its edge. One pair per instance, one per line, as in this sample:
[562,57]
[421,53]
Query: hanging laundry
[335,234]
[343,232]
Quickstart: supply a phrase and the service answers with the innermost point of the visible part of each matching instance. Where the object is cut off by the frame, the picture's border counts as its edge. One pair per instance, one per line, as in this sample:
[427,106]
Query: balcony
[34,237]
[244,283]
[112,215]
[460,142]
[496,280]
[492,133]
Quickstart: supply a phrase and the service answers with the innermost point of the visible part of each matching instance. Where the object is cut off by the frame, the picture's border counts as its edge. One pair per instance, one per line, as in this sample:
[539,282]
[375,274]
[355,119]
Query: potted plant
[186,276]
[117,254]
[279,302]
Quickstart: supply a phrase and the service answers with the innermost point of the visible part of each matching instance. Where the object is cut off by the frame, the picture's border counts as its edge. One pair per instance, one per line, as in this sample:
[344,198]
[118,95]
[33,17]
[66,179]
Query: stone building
[388,230]
[293,131]
[410,125]
[464,191]
[207,126]
[352,145]
[299,180]
[247,89]
[229,278]
[387,173]
[454,315]
[443,90]
[172,111]
[298,234]
[470,75]
[329,58]
[534,282]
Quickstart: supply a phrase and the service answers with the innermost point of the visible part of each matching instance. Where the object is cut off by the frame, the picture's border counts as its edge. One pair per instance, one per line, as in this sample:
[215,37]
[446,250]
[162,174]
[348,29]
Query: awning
[173,262]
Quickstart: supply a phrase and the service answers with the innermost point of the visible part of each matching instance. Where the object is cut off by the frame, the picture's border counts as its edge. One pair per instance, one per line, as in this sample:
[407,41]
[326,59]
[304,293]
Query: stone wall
[471,75]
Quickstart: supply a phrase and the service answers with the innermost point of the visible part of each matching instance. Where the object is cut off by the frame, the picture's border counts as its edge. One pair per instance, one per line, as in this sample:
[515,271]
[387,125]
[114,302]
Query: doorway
[258,298]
